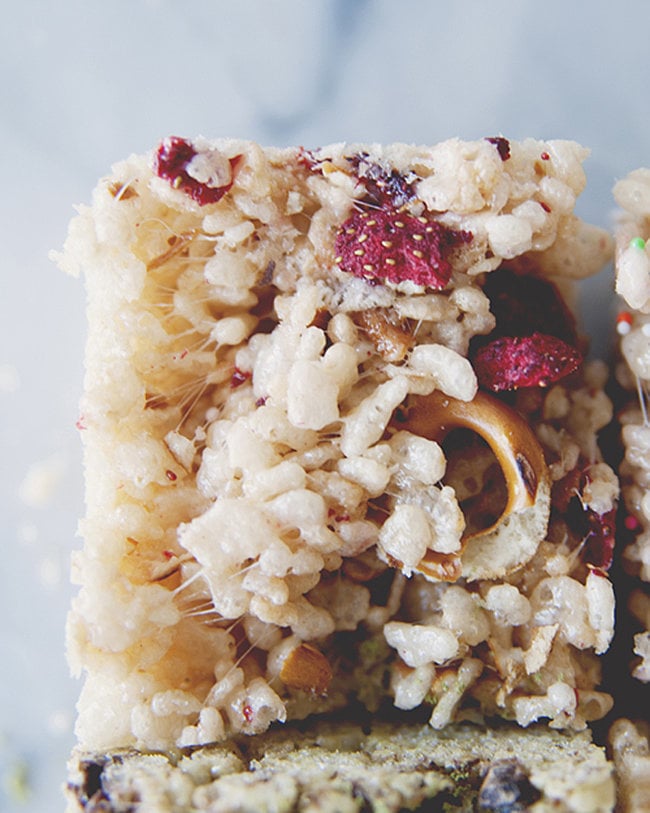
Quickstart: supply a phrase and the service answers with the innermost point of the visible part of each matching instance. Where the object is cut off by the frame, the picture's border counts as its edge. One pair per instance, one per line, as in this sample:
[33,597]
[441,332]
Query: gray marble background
[86,82]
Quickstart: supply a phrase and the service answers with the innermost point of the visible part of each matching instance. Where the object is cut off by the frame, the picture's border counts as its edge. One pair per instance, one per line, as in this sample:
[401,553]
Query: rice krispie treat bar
[340,440]
[633,325]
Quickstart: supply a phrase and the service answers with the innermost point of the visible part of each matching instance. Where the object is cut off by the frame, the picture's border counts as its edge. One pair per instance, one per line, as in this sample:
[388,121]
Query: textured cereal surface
[279,518]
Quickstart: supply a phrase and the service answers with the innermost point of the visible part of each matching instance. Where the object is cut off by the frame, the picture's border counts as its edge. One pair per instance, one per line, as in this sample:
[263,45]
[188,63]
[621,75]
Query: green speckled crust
[339,767]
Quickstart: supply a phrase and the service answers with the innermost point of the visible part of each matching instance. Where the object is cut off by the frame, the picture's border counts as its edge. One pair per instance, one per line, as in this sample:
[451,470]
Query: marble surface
[86,82]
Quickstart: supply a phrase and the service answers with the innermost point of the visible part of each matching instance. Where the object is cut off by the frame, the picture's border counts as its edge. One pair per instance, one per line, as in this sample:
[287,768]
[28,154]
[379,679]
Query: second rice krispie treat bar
[340,440]
[633,325]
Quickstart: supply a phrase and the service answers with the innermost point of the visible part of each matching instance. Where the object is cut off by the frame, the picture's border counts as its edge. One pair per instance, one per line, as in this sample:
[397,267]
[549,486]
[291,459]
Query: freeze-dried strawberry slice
[387,245]
[510,362]
[201,183]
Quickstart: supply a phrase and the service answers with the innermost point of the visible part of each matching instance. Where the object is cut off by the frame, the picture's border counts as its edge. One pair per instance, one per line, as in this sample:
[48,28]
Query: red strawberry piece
[387,245]
[171,162]
[509,362]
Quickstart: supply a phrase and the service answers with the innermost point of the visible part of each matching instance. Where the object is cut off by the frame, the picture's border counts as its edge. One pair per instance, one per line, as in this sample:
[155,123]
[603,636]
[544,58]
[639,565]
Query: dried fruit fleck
[539,360]
[171,163]
[503,146]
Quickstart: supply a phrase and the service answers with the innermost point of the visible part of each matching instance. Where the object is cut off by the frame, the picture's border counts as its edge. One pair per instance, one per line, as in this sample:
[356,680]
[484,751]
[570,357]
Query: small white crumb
[41,482]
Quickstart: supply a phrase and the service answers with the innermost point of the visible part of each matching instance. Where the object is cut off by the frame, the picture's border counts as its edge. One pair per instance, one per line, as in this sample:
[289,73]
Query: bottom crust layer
[333,766]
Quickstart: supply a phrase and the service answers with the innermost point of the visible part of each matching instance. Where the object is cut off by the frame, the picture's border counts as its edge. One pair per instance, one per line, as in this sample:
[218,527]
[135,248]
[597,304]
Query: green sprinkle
[638,242]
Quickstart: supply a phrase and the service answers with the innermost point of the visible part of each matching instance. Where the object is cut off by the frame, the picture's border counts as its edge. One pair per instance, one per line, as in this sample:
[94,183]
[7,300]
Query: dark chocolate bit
[93,781]
[506,788]
[90,793]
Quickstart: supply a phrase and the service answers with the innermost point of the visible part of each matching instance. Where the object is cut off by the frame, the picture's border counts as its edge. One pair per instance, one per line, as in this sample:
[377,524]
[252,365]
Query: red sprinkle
[387,245]
[170,475]
[168,554]
[624,323]
[631,522]
[545,156]
[545,206]
[80,423]
[538,360]
[248,713]
[172,158]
